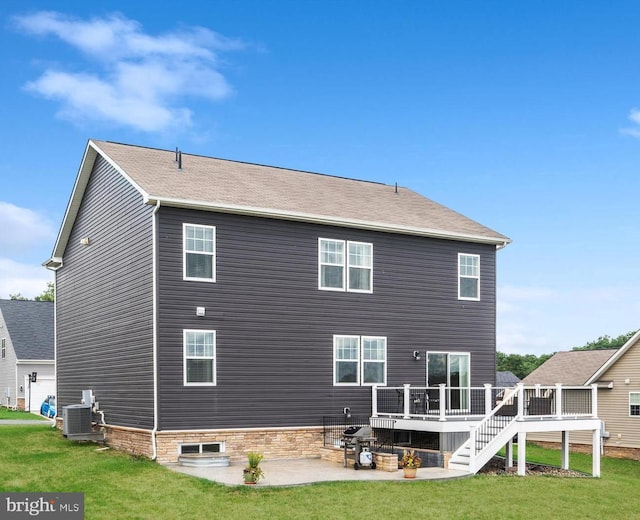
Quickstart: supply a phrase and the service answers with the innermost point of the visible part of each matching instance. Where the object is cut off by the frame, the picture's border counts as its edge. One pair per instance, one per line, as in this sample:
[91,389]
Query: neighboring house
[230,306]
[617,376]
[506,379]
[26,346]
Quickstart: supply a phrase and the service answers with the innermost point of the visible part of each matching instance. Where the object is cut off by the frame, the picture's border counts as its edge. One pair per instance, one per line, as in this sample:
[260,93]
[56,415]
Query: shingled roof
[506,379]
[569,368]
[30,326]
[237,187]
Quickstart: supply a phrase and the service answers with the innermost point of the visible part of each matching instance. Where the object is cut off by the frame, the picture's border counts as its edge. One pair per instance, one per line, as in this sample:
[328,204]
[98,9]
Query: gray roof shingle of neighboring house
[569,368]
[506,378]
[30,325]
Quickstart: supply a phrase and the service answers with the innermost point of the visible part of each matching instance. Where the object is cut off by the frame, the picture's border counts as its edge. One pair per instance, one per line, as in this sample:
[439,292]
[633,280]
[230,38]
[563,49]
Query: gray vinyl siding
[105,303]
[275,328]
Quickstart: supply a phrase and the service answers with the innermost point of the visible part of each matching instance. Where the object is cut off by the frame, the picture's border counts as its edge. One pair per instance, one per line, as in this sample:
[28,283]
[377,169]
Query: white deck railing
[443,403]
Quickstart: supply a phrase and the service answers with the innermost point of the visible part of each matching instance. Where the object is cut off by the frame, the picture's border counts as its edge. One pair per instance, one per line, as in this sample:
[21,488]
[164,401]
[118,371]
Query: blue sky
[521,115]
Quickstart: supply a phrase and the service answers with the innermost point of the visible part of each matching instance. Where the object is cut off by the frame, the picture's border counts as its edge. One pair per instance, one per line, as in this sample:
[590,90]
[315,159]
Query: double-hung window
[199,252]
[4,348]
[345,265]
[199,357]
[468,277]
[359,360]
[634,404]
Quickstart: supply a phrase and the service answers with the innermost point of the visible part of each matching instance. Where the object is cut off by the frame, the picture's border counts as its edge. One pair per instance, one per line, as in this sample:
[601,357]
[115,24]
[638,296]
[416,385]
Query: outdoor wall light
[347,411]
[416,355]
[85,241]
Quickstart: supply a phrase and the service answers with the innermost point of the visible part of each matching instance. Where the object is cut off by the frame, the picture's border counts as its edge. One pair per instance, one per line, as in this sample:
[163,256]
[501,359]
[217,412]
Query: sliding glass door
[453,370]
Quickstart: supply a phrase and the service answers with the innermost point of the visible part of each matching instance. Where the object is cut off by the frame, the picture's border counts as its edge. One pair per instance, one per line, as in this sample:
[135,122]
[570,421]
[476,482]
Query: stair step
[459,467]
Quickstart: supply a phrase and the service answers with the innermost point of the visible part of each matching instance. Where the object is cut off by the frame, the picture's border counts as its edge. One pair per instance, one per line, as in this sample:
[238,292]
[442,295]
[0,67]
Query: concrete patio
[308,471]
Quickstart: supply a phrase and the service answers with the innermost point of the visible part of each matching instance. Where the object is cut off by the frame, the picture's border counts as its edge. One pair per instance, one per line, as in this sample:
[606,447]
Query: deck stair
[491,434]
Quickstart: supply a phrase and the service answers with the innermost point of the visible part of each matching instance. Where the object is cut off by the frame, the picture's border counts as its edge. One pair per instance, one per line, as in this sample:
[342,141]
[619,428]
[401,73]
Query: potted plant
[253,472]
[410,463]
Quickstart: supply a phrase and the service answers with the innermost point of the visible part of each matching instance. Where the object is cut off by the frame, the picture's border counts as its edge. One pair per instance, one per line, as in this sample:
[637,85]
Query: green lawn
[8,413]
[34,458]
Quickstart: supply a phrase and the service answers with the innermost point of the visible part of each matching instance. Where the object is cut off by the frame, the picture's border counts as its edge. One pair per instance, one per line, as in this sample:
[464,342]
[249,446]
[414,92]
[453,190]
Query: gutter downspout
[17,387]
[154,260]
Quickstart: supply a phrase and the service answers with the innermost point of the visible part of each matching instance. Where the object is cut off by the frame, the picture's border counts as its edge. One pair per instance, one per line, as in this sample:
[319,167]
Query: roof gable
[30,325]
[631,343]
[235,187]
[575,367]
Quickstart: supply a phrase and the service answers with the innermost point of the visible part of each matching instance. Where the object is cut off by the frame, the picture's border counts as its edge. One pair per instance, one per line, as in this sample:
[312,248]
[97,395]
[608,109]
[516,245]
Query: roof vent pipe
[179,160]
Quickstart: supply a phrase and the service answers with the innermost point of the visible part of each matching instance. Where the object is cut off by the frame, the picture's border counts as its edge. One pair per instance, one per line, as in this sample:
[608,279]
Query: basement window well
[210,447]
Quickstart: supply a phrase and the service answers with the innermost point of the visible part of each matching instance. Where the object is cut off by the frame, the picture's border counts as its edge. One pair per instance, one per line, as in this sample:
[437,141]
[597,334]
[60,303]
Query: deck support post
[522,453]
[559,401]
[407,401]
[508,459]
[594,400]
[374,401]
[596,452]
[565,450]
[442,393]
[520,410]
[488,404]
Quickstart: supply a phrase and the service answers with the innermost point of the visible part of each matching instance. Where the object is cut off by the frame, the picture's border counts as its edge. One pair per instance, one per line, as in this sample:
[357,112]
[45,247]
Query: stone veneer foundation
[274,443]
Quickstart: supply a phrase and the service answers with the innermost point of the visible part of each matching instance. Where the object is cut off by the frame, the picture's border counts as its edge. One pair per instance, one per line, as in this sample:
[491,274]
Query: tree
[48,295]
[523,365]
[518,364]
[606,342]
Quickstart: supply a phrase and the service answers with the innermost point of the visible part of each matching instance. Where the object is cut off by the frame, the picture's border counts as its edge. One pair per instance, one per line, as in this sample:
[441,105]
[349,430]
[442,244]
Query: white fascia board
[613,359]
[120,171]
[82,179]
[324,220]
[34,362]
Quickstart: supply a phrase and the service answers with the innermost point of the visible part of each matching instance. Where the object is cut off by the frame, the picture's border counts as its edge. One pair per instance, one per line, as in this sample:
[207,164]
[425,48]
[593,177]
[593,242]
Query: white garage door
[43,387]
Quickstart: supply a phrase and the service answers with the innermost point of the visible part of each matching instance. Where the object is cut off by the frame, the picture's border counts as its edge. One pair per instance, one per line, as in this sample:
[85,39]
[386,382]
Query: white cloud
[542,320]
[133,78]
[634,116]
[25,233]
[23,229]
[27,280]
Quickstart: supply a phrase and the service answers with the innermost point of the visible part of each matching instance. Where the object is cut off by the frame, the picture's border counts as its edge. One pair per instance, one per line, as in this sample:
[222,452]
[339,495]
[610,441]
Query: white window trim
[348,266]
[321,263]
[212,358]
[335,360]
[360,361]
[345,266]
[460,277]
[184,254]
[630,403]
[363,361]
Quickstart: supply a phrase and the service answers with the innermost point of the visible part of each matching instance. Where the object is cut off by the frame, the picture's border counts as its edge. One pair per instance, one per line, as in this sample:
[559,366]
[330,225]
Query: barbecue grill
[359,439]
